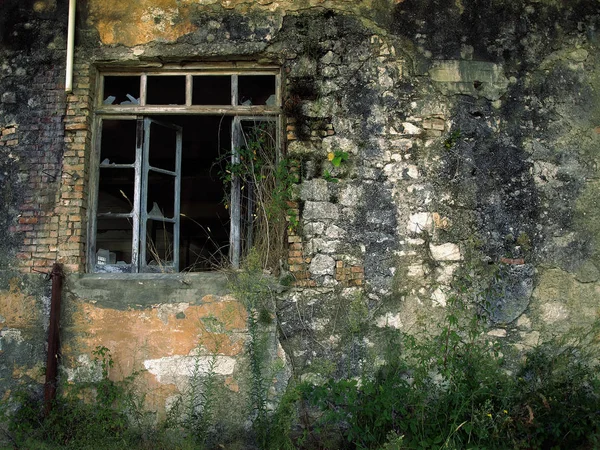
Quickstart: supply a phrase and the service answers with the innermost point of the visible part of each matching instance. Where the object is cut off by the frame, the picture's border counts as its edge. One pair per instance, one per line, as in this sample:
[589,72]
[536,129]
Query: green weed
[452,389]
[85,414]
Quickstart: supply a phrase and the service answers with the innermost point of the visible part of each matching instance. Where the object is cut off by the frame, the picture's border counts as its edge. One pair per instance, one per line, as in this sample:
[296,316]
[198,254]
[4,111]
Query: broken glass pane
[256,90]
[118,142]
[163,147]
[116,190]
[161,195]
[114,235]
[159,244]
[119,89]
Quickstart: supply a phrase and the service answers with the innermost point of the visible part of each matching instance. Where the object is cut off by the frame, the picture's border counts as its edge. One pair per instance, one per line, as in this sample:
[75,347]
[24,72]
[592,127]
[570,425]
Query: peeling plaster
[169,369]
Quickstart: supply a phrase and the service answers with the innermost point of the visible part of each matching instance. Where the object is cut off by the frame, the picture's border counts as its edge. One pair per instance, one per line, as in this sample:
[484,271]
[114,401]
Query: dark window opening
[256,90]
[113,242]
[211,90]
[168,195]
[165,90]
[121,90]
[204,221]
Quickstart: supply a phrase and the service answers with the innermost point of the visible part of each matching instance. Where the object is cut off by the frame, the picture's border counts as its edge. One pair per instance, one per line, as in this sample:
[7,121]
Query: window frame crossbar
[139,215]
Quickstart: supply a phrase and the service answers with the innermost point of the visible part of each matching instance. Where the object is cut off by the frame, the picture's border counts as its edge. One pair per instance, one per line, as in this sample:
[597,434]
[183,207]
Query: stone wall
[467,137]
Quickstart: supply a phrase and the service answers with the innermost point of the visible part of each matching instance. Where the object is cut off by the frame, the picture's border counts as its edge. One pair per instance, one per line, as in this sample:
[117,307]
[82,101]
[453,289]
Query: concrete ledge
[126,291]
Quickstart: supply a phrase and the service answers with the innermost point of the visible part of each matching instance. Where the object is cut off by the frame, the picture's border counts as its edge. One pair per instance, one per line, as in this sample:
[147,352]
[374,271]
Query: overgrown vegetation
[193,411]
[447,389]
[266,182]
[86,414]
[254,289]
[454,390]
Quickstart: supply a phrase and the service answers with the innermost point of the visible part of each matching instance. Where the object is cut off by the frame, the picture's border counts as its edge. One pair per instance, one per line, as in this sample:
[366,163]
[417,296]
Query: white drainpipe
[70,47]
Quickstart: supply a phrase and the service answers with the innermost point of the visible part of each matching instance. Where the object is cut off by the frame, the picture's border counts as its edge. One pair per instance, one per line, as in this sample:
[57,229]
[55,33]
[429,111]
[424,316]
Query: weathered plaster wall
[169,330]
[472,131]
[138,23]
[31,148]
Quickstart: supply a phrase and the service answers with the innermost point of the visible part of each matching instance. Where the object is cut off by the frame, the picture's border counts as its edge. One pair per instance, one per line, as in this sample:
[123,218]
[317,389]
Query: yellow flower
[330,156]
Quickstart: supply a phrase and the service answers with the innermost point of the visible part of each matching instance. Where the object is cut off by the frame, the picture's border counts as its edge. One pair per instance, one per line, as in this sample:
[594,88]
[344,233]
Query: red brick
[515,261]
[302,275]
[26,220]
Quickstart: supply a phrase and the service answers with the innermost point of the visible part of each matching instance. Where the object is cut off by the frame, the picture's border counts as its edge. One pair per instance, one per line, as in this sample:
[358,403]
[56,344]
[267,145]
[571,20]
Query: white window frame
[141,113]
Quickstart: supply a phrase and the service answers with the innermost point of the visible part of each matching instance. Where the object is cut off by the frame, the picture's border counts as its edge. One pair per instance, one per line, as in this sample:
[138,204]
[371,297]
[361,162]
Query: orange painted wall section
[141,22]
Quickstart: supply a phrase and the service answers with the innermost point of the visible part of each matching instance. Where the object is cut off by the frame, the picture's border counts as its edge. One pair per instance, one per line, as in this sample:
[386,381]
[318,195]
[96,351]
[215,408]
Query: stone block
[9,97]
[322,265]
[419,222]
[315,189]
[445,252]
[320,211]
[434,124]
[350,195]
[474,78]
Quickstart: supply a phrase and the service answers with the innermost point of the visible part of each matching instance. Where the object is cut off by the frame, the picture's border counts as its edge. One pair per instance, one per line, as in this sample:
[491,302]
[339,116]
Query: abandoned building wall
[438,145]
[32,105]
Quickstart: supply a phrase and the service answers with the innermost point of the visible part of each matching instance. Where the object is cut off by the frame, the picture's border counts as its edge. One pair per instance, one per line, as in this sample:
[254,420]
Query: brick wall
[38,140]
[71,207]
[54,141]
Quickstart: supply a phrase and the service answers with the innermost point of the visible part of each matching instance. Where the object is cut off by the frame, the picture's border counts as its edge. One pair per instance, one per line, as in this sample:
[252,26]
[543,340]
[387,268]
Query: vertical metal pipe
[70,47]
[53,338]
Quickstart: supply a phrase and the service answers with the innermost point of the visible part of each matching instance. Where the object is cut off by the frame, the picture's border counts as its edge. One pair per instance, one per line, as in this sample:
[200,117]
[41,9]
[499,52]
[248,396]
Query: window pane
[204,229]
[212,90]
[165,90]
[161,195]
[163,147]
[121,90]
[256,90]
[258,147]
[113,240]
[159,245]
[118,142]
[115,190]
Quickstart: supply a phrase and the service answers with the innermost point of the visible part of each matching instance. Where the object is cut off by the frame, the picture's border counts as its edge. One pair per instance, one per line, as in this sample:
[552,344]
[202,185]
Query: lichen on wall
[459,164]
[442,149]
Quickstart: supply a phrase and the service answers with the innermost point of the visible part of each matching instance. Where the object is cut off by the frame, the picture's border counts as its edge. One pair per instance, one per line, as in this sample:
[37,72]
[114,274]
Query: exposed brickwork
[298,263]
[323,130]
[291,129]
[54,173]
[72,204]
[349,275]
[39,142]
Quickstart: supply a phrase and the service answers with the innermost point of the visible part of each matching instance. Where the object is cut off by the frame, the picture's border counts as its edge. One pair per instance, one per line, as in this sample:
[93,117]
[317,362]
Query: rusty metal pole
[53,338]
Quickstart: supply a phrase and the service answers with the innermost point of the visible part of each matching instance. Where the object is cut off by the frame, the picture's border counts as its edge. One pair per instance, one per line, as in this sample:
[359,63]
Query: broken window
[168,194]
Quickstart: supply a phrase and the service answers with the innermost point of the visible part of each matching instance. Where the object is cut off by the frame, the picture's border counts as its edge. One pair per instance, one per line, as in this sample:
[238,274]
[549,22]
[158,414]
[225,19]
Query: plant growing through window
[158,203]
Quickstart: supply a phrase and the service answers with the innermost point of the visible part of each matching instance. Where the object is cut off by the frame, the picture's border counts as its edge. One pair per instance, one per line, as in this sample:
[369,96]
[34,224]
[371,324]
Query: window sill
[140,290]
